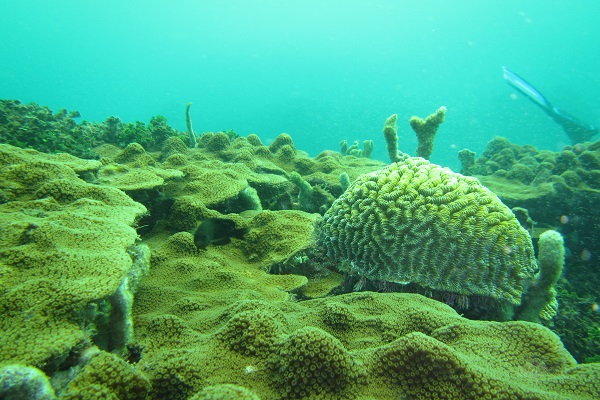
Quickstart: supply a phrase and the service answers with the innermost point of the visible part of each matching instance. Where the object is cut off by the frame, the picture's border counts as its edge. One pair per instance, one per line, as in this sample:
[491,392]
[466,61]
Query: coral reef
[416,347]
[37,127]
[467,160]
[305,197]
[344,181]
[560,191]
[206,321]
[417,222]
[225,392]
[116,132]
[23,382]
[105,376]
[84,315]
[277,236]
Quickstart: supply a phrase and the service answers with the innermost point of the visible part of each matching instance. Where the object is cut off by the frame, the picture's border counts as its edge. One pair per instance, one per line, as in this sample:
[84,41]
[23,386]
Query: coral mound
[418,222]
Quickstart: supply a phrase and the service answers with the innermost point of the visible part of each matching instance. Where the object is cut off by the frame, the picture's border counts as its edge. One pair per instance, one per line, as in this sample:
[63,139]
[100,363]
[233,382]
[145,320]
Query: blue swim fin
[522,86]
[577,130]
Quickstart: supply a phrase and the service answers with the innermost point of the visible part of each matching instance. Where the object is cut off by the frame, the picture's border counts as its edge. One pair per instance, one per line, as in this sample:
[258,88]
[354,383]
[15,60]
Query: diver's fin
[522,86]
[575,129]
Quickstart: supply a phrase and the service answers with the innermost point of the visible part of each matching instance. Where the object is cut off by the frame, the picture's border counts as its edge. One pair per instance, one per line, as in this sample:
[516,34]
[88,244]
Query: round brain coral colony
[418,222]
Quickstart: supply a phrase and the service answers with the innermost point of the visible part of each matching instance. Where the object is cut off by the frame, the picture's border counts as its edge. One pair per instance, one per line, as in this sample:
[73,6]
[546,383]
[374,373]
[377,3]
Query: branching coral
[426,130]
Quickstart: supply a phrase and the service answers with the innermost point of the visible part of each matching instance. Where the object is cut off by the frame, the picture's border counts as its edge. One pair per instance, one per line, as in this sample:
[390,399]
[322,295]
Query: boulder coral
[106,376]
[24,382]
[418,222]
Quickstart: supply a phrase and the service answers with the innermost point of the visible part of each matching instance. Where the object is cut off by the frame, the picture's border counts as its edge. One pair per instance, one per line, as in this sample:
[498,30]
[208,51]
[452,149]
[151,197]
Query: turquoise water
[321,71]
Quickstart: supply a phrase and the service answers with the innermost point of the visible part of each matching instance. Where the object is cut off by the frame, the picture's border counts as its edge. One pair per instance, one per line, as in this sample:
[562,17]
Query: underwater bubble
[586,255]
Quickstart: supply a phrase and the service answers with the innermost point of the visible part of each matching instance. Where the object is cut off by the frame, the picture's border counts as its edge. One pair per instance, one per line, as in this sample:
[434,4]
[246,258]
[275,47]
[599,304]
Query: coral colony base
[160,269]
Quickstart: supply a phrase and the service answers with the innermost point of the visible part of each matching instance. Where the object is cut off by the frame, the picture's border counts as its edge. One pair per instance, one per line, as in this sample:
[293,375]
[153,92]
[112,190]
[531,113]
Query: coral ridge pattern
[418,222]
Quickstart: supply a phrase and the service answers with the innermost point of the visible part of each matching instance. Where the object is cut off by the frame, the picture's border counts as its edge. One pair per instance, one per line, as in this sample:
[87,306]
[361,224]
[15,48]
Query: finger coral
[426,130]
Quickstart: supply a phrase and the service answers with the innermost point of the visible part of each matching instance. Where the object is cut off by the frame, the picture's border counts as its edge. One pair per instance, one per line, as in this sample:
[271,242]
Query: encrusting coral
[418,222]
[225,392]
[106,376]
[57,258]
[211,318]
[356,345]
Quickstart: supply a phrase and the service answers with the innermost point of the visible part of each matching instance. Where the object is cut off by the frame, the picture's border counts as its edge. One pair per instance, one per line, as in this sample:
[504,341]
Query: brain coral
[418,222]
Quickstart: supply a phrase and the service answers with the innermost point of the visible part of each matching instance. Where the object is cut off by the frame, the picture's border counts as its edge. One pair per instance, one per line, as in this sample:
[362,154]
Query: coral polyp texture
[63,254]
[87,312]
[418,222]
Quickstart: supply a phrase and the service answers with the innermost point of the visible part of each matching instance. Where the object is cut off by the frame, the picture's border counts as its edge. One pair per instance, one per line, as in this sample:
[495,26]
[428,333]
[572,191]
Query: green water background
[321,71]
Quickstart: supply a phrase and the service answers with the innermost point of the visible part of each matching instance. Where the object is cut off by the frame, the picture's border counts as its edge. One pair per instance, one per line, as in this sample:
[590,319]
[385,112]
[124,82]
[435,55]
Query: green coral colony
[345,283]
[395,223]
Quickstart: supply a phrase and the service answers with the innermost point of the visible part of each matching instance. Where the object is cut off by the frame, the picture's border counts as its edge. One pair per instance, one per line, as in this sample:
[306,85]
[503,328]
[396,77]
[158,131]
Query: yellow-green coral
[214,141]
[311,362]
[188,123]
[225,392]
[418,222]
[281,140]
[134,155]
[359,345]
[106,376]
[60,252]
[125,178]
[15,155]
[251,332]
[24,382]
[540,301]
[173,145]
[426,130]
[447,365]
[276,236]
[390,132]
